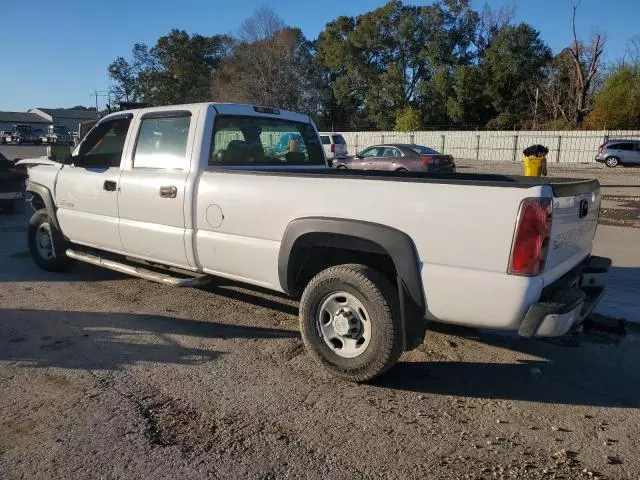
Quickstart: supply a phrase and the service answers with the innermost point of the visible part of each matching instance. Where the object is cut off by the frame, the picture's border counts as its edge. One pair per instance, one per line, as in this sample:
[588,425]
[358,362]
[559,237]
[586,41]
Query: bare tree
[586,62]
[277,71]
[492,21]
[262,25]
[632,51]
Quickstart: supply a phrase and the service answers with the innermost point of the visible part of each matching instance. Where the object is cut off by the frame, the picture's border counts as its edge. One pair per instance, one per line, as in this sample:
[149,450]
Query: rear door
[151,201]
[625,151]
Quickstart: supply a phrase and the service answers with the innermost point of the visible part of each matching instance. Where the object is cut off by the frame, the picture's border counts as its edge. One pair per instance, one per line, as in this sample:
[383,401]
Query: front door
[87,191]
[366,158]
[152,189]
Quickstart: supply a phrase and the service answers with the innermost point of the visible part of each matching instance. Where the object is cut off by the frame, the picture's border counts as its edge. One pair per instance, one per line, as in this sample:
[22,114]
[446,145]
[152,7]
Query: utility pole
[96,94]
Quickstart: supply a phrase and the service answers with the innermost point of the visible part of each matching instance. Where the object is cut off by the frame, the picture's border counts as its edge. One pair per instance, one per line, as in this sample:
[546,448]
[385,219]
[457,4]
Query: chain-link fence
[564,146]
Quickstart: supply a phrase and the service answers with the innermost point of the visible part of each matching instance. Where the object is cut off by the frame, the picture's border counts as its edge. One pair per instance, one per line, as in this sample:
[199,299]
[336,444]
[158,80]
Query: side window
[325,139]
[623,146]
[162,143]
[390,152]
[264,141]
[104,144]
[370,152]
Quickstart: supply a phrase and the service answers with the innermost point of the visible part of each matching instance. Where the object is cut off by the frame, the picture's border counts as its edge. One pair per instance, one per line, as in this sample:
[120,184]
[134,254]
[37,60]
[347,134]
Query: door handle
[110,185]
[168,191]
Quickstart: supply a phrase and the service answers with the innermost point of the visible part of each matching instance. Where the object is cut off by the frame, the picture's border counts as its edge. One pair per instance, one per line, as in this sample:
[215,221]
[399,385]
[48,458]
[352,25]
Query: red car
[399,157]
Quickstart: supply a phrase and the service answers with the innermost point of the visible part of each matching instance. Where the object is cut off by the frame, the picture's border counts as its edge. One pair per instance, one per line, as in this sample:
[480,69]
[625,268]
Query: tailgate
[574,222]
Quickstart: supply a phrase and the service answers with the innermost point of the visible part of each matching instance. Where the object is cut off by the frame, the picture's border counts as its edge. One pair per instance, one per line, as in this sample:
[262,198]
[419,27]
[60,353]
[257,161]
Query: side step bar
[151,275]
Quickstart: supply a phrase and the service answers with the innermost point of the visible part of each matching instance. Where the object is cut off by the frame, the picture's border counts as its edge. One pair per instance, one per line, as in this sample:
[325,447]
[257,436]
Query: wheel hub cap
[344,324]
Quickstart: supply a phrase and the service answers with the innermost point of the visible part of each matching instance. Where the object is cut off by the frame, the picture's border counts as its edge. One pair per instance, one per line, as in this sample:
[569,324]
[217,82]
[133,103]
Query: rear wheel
[401,169]
[341,167]
[47,246]
[350,322]
[612,162]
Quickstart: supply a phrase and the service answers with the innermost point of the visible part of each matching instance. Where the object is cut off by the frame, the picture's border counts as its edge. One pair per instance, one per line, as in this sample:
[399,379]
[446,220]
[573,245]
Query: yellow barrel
[533,166]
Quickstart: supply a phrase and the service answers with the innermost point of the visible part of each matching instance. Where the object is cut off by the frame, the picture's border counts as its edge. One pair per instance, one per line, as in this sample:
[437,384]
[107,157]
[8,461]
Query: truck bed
[562,187]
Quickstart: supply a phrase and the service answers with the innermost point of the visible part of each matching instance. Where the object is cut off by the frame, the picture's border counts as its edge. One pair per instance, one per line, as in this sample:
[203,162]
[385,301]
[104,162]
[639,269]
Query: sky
[57,57]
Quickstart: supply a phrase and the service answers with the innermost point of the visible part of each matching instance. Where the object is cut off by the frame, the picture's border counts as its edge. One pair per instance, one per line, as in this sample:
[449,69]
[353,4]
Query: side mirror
[59,153]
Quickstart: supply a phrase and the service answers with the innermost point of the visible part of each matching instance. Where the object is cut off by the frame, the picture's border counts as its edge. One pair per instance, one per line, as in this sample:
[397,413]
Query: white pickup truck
[179,194]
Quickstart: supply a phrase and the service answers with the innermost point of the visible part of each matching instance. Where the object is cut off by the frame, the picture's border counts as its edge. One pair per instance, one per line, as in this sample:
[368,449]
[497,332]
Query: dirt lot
[103,376]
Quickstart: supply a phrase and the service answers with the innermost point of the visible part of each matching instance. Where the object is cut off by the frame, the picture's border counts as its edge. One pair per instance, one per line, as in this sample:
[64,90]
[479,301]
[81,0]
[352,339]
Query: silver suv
[619,152]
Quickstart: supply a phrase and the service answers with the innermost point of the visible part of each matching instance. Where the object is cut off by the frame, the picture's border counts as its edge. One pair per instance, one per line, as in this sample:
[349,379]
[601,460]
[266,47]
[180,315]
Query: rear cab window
[252,141]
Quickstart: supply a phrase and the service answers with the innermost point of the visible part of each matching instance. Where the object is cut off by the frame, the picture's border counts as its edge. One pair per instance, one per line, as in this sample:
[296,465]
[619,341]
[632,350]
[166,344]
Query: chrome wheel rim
[612,162]
[344,324]
[44,242]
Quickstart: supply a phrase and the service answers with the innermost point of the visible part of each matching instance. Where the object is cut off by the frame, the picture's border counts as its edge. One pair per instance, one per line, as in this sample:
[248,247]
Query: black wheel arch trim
[356,234]
[45,194]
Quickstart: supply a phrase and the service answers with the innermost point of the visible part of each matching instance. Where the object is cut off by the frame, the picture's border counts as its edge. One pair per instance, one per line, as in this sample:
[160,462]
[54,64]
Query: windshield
[339,139]
[423,150]
[60,129]
[23,128]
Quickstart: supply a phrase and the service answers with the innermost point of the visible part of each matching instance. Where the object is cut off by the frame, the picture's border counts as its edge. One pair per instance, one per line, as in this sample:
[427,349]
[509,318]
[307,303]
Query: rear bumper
[568,301]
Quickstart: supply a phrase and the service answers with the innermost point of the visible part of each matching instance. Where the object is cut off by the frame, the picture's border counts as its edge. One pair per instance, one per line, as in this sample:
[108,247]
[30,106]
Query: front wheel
[350,322]
[47,246]
[612,162]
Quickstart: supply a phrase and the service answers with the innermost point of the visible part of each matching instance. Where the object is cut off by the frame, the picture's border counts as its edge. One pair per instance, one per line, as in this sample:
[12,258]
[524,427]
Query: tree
[271,65]
[177,69]
[381,61]
[617,105]
[407,119]
[262,25]
[586,62]
[513,62]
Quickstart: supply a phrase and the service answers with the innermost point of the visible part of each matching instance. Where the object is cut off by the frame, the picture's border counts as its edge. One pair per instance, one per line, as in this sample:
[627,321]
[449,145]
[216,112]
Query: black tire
[341,167]
[401,169]
[612,162]
[378,296]
[58,261]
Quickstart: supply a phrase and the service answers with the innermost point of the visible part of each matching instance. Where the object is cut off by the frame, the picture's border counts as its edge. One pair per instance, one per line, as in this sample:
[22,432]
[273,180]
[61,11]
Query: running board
[158,277]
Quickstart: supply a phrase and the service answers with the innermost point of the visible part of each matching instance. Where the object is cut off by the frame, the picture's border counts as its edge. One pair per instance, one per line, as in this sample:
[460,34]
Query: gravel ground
[104,376]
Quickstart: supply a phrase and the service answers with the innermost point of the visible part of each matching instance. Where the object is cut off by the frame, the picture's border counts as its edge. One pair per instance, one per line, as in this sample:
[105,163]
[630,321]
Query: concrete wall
[564,146]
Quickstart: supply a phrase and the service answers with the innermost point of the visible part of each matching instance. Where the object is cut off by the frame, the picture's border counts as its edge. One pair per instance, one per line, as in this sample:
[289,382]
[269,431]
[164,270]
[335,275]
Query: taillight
[600,149]
[333,148]
[531,239]
[427,161]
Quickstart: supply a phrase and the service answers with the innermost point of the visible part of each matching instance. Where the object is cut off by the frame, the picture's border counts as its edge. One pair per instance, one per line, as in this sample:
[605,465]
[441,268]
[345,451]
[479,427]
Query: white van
[334,145]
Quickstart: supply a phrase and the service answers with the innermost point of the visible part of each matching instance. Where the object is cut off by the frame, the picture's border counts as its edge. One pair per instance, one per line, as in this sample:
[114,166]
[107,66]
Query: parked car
[399,157]
[57,134]
[334,144]
[5,137]
[24,134]
[619,152]
[12,185]
[372,256]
